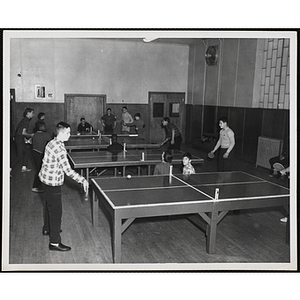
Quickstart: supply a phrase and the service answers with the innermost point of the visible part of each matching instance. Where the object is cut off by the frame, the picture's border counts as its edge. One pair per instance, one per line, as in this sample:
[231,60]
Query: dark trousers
[224,164]
[52,212]
[177,143]
[23,154]
[108,129]
[37,158]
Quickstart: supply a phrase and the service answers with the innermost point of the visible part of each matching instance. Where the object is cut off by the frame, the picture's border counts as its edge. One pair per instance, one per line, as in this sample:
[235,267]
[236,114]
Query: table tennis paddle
[278,167]
[211,155]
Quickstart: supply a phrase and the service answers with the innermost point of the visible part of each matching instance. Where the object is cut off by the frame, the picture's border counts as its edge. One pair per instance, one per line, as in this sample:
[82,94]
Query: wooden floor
[252,236]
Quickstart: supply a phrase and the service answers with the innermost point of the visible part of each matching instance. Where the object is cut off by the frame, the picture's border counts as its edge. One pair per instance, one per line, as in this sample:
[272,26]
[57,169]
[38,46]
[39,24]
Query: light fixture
[149,39]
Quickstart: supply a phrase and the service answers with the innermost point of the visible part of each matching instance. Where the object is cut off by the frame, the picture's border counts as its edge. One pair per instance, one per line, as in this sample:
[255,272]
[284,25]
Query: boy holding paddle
[224,146]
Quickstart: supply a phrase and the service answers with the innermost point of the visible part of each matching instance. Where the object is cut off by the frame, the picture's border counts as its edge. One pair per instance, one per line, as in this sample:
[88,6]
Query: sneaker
[37,190]
[25,169]
[283,220]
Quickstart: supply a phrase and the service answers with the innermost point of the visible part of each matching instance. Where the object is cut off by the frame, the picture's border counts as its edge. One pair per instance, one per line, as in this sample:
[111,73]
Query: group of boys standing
[109,123]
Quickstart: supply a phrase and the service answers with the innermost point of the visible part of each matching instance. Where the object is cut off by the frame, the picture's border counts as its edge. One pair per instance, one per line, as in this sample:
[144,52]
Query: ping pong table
[132,157]
[207,197]
[96,142]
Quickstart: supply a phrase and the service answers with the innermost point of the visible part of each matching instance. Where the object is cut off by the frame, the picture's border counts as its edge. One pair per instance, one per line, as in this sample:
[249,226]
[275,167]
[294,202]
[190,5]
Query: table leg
[87,174]
[212,230]
[95,205]
[86,195]
[287,234]
[117,239]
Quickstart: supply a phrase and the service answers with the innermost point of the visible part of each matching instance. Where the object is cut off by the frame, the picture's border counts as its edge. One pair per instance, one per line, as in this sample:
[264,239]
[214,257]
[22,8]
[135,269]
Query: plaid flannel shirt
[55,165]
[188,170]
[169,129]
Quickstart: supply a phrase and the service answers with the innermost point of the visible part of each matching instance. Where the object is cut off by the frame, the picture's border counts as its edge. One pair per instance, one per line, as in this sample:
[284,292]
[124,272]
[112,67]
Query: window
[158,110]
[174,109]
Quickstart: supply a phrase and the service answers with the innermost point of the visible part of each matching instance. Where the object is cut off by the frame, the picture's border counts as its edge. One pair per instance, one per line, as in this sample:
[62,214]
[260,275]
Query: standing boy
[139,125]
[22,137]
[126,118]
[41,118]
[225,145]
[108,122]
[55,165]
[39,141]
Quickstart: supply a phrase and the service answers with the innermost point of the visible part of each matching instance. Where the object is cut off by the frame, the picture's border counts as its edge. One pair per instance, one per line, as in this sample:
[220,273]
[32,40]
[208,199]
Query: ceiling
[183,41]
[178,41]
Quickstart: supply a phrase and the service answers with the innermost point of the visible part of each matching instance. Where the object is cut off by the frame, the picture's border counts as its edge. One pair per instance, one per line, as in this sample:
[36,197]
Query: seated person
[115,146]
[84,127]
[187,169]
[163,168]
[281,161]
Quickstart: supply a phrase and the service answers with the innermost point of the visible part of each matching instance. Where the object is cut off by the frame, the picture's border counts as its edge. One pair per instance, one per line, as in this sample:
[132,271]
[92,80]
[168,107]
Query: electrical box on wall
[40,91]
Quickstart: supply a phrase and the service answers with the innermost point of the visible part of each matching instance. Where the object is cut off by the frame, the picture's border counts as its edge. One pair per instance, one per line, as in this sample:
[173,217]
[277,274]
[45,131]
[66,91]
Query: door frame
[167,102]
[85,95]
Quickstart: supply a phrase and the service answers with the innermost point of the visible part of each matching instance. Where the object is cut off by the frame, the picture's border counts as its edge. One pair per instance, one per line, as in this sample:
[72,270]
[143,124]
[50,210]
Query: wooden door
[90,107]
[164,104]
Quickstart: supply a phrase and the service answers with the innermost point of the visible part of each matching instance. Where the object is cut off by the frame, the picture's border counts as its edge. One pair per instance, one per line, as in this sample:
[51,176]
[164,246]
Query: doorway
[165,104]
[90,107]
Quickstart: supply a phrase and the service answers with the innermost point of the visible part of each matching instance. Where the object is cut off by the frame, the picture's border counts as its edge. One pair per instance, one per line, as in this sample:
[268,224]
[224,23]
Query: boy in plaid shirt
[187,169]
[173,135]
[55,165]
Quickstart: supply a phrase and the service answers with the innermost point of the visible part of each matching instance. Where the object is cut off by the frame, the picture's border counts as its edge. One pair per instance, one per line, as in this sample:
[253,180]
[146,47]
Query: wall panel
[245,72]
[199,74]
[274,121]
[209,120]
[229,69]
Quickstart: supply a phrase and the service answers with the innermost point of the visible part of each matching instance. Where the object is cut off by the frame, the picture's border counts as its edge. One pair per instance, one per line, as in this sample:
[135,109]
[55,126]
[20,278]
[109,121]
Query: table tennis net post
[170,174]
[217,191]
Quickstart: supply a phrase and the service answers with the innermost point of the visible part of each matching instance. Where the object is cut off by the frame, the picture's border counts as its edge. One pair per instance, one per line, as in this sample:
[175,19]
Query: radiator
[267,148]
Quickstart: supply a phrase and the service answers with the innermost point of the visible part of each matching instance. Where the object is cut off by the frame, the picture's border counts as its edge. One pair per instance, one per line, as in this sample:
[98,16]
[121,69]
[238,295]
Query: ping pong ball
[128,176]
